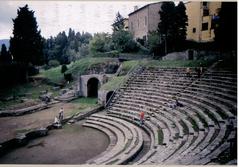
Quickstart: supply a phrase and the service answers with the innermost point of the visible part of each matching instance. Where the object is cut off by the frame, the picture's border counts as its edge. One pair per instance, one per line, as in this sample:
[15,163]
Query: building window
[204,3]
[194,30]
[145,20]
[205,12]
[204,26]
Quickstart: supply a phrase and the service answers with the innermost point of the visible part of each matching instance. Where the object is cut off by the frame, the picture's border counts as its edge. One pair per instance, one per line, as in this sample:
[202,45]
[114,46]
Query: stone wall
[83,80]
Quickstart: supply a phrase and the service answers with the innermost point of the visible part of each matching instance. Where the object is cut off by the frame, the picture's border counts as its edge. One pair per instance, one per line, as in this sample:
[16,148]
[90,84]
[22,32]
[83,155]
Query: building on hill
[200,20]
[126,24]
[144,20]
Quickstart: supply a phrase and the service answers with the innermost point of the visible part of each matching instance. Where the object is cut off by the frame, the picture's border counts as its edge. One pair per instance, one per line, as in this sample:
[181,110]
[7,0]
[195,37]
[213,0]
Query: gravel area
[73,144]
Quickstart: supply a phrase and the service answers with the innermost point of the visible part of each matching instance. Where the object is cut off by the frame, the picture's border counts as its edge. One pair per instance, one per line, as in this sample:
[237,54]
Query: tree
[167,24]
[181,25]
[172,27]
[123,41]
[118,22]
[101,43]
[226,27]
[26,45]
[5,57]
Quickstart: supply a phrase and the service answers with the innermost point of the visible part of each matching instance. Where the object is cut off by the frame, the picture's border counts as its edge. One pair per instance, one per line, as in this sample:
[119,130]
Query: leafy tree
[26,45]
[101,43]
[153,41]
[123,41]
[226,27]
[5,57]
[118,22]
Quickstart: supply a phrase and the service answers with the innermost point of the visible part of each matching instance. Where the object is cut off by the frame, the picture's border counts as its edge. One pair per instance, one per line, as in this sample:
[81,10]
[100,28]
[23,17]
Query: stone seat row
[129,139]
[214,101]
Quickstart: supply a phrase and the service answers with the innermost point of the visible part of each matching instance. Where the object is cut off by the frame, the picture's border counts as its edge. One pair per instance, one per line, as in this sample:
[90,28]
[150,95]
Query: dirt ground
[73,144]
[10,126]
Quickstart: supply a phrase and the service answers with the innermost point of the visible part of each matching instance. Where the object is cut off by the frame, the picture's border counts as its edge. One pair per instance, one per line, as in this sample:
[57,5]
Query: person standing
[141,118]
[61,114]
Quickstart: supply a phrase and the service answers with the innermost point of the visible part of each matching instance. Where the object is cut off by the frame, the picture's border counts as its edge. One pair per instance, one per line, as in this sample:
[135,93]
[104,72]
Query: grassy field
[83,104]
[27,90]
[75,68]
[113,83]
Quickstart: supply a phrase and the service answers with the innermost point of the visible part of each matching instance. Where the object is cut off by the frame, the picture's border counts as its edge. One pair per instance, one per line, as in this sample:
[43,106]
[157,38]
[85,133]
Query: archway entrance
[92,87]
[108,95]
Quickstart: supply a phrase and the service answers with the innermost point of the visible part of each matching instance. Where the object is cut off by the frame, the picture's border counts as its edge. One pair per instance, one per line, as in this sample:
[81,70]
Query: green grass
[54,74]
[127,65]
[83,104]
[113,83]
[75,68]
[194,124]
[160,137]
[80,66]
[32,91]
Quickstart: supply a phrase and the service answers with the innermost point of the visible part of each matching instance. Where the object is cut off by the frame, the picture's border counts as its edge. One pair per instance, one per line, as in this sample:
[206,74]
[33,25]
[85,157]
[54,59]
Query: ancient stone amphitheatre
[201,131]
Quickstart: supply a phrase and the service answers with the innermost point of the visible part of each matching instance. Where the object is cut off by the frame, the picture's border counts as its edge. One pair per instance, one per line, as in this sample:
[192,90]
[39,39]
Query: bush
[113,53]
[64,68]
[68,77]
[32,71]
[53,63]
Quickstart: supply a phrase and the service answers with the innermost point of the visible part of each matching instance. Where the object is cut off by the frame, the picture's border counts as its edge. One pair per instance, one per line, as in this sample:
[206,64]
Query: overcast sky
[55,16]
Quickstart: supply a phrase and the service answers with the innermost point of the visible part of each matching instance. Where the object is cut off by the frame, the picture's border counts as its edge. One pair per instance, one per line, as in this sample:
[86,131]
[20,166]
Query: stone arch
[92,87]
[108,95]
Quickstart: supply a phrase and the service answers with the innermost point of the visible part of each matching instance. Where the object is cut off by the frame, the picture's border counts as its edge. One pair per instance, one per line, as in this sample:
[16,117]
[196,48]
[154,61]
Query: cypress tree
[26,45]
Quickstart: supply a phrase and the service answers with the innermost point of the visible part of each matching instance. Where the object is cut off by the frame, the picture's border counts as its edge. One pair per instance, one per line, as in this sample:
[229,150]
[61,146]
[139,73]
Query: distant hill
[4,41]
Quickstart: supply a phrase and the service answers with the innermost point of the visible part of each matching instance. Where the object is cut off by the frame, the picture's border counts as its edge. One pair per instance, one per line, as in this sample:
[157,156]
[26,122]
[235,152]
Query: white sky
[55,16]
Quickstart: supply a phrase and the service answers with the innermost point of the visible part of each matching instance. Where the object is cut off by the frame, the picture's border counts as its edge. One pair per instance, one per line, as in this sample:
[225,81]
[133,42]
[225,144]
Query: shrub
[32,71]
[64,68]
[53,63]
[68,77]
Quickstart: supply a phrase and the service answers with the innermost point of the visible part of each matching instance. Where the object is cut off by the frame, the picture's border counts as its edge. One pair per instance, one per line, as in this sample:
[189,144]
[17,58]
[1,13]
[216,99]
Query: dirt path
[73,144]
[10,126]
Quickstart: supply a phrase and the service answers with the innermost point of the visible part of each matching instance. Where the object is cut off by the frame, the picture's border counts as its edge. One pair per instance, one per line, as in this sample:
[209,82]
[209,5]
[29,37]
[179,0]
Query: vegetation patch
[193,122]
[83,104]
[185,128]
[128,65]
[78,67]
[160,136]
[113,83]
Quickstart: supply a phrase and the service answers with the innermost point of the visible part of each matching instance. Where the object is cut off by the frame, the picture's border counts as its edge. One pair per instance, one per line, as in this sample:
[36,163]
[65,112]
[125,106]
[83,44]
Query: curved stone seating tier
[165,150]
[112,139]
[199,98]
[196,89]
[131,118]
[186,145]
[162,101]
[123,108]
[154,106]
[133,139]
[193,134]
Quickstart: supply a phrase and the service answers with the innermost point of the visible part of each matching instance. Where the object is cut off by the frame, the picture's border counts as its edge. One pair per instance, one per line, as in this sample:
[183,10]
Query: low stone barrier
[23,111]
[21,140]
